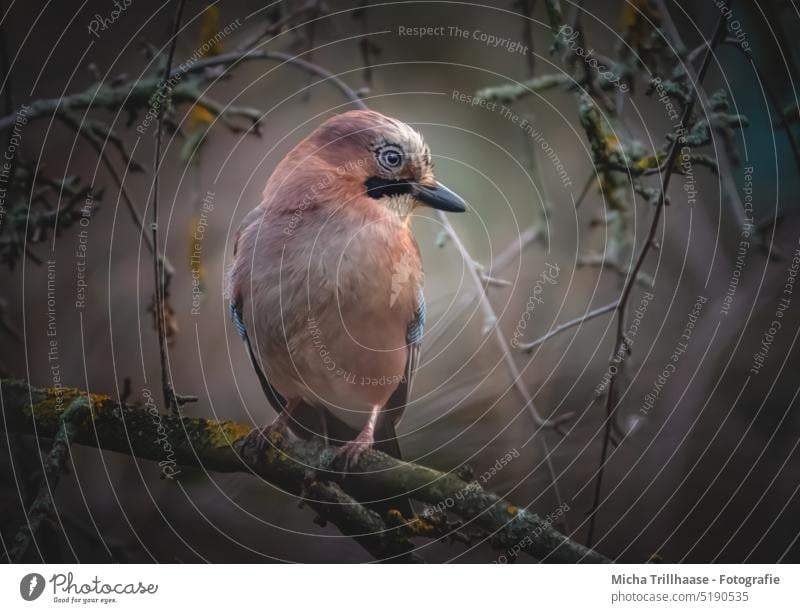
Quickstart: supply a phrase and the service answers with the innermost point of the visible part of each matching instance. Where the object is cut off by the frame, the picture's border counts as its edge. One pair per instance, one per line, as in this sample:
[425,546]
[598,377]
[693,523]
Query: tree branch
[54,465]
[303,468]
[135,96]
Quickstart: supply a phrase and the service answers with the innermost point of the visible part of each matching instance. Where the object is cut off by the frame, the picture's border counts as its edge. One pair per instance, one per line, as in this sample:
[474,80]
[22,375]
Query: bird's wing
[306,420]
[385,433]
[414,333]
[275,399]
[385,436]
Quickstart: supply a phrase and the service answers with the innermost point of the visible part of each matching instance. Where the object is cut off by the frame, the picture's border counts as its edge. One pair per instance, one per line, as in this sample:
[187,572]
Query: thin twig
[489,314]
[620,343]
[724,162]
[275,56]
[528,236]
[170,398]
[136,216]
[275,28]
[585,191]
[529,347]
[538,232]
[526,7]
[526,10]
[366,44]
[695,53]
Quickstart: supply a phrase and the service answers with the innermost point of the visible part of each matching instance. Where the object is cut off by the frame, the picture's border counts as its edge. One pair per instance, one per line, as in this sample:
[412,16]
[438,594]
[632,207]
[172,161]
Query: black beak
[439,197]
[436,196]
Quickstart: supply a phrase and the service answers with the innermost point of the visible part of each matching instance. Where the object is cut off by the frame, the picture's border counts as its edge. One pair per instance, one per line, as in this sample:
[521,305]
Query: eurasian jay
[326,282]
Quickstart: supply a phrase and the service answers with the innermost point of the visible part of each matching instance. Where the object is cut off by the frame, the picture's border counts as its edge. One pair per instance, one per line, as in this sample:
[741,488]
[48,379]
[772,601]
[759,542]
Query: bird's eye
[390,157]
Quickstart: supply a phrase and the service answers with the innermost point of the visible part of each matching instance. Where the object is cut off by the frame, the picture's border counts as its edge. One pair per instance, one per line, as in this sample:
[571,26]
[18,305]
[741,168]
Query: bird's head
[384,160]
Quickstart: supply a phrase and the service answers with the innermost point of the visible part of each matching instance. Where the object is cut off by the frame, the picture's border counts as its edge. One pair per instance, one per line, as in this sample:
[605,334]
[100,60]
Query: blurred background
[708,471]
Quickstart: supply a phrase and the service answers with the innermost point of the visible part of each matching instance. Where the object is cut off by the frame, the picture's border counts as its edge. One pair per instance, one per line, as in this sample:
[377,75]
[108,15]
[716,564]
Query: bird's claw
[260,438]
[350,453]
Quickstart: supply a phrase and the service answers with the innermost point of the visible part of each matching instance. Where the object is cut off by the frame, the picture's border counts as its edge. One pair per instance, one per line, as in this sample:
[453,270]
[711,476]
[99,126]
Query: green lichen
[55,400]
[420,527]
[224,433]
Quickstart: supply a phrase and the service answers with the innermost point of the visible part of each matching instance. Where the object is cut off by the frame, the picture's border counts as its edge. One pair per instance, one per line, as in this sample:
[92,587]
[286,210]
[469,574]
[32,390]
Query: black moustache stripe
[378,187]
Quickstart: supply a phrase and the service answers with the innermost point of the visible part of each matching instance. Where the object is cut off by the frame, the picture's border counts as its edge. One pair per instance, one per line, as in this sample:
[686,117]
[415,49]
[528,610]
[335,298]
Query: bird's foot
[351,452]
[261,437]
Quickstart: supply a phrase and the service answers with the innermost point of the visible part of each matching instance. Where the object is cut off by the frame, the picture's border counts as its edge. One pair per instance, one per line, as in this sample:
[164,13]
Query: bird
[326,283]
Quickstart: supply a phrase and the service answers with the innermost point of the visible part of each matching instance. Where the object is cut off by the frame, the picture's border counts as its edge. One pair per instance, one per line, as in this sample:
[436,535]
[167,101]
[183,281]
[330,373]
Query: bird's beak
[439,197]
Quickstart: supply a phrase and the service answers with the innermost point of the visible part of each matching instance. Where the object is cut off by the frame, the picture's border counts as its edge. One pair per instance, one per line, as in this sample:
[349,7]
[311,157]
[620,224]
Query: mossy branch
[306,469]
[509,93]
[188,85]
[54,465]
[134,96]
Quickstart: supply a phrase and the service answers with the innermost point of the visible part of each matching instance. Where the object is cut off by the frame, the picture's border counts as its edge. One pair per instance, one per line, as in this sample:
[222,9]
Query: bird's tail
[386,439]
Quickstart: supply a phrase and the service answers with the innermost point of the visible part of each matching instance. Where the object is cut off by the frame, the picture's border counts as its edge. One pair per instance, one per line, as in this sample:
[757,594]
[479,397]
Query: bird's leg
[351,451]
[280,425]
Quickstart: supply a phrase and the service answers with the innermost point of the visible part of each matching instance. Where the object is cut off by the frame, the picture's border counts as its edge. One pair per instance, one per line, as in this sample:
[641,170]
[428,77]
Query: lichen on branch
[305,468]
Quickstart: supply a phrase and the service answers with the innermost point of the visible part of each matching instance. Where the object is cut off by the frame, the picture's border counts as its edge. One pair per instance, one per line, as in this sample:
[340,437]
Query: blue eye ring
[390,157]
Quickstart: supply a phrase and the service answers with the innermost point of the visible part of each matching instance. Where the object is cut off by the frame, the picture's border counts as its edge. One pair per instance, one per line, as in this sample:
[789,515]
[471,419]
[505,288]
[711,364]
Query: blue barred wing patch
[236,317]
[416,326]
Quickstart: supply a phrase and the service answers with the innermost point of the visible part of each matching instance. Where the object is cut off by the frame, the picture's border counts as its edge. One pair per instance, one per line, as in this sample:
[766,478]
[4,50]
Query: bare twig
[233,58]
[366,45]
[585,190]
[529,347]
[136,216]
[490,281]
[489,314]
[170,397]
[531,155]
[620,342]
[695,53]
[529,236]
[724,162]
[526,10]
[274,28]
